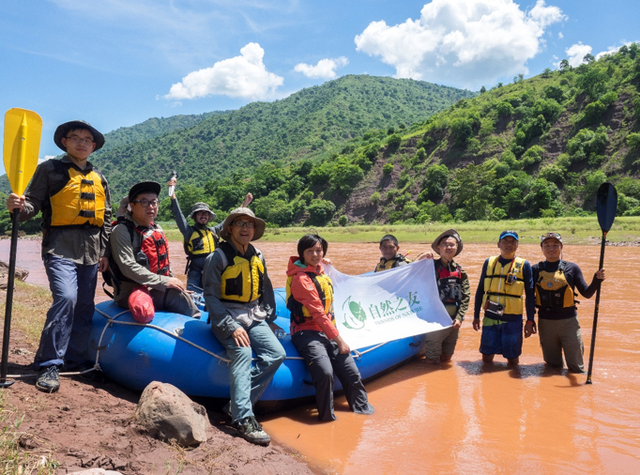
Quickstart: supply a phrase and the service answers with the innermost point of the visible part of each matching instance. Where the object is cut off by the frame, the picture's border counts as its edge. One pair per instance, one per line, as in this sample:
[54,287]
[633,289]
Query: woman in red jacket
[314,333]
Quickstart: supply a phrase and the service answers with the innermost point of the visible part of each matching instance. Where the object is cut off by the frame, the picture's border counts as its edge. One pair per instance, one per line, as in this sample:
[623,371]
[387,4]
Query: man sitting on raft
[140,260]
[241,304]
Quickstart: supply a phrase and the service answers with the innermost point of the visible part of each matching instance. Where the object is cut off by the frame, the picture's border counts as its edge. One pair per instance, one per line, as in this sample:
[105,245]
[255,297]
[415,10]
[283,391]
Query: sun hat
[63,129]
[447,234]
[201,207]
[258,223]
[144,187]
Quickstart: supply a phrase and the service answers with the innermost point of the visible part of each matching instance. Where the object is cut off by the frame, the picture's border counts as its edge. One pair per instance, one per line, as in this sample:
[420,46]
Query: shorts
[502,338]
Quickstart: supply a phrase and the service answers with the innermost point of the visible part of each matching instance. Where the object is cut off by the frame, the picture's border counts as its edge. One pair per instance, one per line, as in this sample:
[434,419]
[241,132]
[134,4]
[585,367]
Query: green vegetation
[538,148]
[367,150]
[574,230]
[308,124]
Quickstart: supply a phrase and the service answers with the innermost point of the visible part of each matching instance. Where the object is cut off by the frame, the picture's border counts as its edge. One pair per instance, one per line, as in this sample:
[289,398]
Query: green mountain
[150,129]
[535,148]
[305,124]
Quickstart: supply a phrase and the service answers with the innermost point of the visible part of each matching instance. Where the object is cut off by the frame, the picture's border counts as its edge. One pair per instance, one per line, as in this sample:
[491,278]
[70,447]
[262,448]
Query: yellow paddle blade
[22,131]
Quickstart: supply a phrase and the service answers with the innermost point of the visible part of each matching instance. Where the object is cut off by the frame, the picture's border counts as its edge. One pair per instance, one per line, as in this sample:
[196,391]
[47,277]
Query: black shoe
[49,380]
[250,430]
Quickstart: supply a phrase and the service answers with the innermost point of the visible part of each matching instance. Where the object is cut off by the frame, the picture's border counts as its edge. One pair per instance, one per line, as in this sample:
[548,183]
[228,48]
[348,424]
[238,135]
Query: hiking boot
[49,380]
[250,430]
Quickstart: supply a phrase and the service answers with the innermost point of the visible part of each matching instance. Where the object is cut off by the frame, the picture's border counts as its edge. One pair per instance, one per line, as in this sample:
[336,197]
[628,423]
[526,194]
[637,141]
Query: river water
[465,417]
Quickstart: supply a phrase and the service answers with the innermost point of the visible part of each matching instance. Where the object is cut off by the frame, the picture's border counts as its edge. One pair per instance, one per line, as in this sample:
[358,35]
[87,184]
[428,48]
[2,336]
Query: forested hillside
[534,148]
[305,124]
[150,129]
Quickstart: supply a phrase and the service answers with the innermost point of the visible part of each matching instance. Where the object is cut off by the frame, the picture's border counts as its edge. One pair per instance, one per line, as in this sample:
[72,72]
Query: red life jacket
[152,252]
[154,246]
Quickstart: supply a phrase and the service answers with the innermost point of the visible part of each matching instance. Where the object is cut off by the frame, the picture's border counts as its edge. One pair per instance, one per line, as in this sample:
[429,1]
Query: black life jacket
[449,283]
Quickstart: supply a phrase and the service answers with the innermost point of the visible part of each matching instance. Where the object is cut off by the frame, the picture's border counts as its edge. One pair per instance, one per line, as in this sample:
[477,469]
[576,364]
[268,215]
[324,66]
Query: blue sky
[116,63]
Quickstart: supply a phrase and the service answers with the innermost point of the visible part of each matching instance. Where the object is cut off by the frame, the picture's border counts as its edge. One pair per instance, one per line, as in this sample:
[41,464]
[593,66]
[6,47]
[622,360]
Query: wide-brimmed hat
[258,223]
[144,187]
[201,207]
[447,234]
[63,129]
[546,236]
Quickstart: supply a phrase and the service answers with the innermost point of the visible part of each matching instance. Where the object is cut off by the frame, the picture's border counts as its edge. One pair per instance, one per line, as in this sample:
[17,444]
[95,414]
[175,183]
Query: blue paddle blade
[606,205]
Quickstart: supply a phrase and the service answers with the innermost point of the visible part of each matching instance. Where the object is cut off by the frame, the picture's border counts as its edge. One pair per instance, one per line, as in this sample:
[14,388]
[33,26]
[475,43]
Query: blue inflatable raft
[182,351]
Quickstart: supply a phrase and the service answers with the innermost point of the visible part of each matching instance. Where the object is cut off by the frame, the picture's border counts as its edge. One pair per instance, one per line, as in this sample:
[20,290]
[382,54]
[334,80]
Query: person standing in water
[455,293]
[558,326]
[504,280]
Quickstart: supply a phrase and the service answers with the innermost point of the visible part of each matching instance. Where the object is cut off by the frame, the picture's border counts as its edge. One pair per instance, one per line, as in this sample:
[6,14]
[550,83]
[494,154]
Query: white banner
[386,306]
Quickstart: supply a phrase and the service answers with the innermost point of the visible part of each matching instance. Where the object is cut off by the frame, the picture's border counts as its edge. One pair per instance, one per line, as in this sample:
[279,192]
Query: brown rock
[167,413]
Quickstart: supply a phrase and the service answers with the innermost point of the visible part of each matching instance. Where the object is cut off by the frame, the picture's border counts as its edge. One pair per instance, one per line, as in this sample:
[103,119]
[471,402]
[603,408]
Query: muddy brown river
[467,418]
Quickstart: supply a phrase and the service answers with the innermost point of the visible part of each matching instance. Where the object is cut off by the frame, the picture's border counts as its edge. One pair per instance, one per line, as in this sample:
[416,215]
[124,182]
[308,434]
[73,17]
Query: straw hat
[258,223]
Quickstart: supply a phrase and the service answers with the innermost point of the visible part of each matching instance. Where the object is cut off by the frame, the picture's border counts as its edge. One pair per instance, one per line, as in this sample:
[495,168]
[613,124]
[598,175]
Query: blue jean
[248,381]
[194,274]
[65,335]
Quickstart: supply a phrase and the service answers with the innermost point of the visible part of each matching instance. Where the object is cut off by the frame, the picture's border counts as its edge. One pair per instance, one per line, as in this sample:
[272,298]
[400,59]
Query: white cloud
[560,35]
[461,42]
[243,76]
[325,69]
[576,53]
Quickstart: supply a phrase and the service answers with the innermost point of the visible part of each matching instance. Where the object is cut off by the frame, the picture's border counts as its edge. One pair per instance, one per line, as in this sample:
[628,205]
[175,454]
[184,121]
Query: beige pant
[557,336]
[441,342]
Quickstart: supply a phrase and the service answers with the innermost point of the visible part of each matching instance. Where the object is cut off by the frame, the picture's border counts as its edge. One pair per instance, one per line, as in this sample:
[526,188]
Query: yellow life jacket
[81,201]
[391,263]
[504,285]
[553,290]
[243,278]
[324,286]
[201,242]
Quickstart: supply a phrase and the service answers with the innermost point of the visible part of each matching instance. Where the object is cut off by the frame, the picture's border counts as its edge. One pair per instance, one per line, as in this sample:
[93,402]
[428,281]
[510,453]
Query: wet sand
[465,417]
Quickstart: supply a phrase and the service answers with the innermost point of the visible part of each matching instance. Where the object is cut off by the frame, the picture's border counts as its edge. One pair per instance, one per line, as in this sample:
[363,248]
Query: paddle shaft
[15,219]
[595,310]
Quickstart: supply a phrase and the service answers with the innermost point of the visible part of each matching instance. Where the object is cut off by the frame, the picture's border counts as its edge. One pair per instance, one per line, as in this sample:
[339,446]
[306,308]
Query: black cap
[63,129]
[144,187]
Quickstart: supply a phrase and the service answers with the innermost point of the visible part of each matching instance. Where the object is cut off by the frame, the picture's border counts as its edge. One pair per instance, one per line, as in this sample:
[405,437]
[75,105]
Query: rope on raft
[113,320]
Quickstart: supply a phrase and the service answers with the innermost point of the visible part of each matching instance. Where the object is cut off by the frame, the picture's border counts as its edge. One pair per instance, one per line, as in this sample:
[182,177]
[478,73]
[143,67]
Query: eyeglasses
[78,140]
[244,224]
[146,203]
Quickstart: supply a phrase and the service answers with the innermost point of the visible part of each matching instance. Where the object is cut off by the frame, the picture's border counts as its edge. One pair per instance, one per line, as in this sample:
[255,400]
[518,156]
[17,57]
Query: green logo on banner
[354,315]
